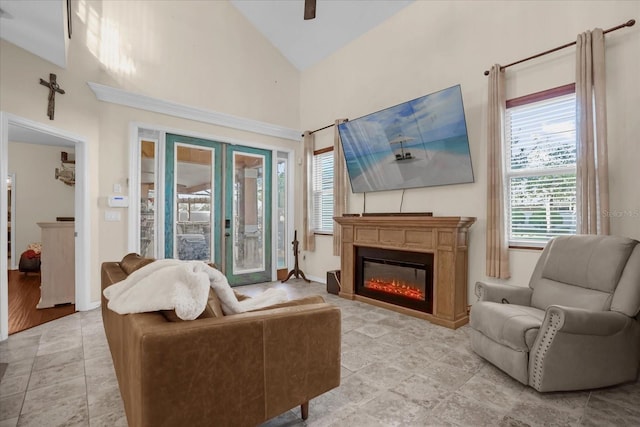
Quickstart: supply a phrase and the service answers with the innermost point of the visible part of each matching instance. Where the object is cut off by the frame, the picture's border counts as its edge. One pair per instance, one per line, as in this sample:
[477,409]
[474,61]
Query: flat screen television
[420,143]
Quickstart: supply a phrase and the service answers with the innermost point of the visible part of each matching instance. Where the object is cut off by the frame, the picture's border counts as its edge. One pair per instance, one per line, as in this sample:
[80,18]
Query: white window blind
[323,192]
[541,170]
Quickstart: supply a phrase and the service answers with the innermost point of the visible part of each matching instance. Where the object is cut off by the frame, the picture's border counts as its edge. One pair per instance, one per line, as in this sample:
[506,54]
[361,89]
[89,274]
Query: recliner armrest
[577,349]
[495,292]
[587,322]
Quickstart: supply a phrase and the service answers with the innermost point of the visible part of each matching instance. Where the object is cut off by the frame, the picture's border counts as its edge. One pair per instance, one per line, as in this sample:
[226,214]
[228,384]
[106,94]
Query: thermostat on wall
[118,201]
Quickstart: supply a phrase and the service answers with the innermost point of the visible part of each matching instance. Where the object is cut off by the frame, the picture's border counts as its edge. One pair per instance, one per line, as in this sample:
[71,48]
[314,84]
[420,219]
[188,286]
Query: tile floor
[396,371]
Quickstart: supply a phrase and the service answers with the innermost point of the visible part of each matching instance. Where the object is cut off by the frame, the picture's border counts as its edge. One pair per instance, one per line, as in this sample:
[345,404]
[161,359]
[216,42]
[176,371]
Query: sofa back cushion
[131,262]
[580,271]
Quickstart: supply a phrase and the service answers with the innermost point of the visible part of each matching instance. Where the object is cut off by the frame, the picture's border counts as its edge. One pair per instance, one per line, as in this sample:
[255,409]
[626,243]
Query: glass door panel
[148,199]
[282,246]
[193,199]
[248,221]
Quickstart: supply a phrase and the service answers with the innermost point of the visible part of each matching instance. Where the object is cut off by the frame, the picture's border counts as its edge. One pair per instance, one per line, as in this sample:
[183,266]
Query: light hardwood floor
[24,294]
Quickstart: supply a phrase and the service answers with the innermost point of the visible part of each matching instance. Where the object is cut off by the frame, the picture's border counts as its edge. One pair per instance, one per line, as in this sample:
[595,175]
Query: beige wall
[202,54]
[199,53]
[39,196]
[205,54]
[432,45]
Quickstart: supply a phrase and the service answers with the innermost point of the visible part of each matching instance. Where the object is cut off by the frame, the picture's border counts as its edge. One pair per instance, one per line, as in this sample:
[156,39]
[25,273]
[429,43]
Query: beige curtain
[592,178]
[308,237]
[340,188]
[497,243]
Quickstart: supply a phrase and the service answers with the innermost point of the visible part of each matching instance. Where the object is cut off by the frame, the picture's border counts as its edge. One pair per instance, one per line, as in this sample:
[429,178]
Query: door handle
[227,234]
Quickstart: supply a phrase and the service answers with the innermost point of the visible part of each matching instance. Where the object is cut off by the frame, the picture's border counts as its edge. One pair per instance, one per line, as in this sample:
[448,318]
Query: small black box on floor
[333,282]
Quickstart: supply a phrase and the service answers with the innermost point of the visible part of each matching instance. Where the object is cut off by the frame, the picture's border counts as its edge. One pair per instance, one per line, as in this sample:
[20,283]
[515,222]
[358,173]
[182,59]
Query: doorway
[248,215]
[218,206]
[211,200]
[18,129]
[42,272]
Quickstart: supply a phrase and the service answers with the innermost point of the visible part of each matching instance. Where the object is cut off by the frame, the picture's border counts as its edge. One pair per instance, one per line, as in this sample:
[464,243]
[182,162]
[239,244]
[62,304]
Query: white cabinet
[58,284]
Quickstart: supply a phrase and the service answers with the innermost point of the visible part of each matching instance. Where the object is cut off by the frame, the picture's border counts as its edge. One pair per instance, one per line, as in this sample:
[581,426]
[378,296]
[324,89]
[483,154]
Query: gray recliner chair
[576,326]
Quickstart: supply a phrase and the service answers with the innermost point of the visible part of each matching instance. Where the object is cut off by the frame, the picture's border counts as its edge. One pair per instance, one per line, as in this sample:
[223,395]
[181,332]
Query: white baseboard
[322,280]
[92,305]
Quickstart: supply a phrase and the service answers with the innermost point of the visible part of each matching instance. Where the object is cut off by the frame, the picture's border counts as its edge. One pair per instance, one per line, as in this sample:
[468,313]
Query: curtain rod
[629,23]
[326,127]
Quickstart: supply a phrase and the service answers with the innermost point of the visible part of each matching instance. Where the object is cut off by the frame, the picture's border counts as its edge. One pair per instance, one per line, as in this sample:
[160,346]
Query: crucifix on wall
[54,87]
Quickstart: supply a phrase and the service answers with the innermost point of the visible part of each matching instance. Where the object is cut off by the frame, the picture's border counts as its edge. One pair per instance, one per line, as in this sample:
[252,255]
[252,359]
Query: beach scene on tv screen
[419,143]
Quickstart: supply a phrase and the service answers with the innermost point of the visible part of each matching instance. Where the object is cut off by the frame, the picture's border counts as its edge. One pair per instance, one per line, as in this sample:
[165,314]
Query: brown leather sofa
[235,370]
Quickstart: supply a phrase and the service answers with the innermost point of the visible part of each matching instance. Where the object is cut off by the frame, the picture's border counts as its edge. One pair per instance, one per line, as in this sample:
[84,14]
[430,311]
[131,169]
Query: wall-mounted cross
[53,88]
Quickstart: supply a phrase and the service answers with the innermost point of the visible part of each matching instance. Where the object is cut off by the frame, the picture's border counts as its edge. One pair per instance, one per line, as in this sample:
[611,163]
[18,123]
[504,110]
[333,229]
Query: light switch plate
[112,215]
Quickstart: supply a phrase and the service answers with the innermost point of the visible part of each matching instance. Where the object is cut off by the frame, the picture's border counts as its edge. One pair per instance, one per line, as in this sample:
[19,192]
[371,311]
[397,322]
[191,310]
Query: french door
[218,207]
[248,215]
[193,199]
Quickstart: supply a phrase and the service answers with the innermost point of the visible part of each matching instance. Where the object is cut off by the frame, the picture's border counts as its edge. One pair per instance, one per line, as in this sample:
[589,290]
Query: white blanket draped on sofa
[169,284]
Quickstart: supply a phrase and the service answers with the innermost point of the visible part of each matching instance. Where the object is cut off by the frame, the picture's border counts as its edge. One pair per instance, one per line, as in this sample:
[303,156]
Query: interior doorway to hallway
[21,131]
[41,201]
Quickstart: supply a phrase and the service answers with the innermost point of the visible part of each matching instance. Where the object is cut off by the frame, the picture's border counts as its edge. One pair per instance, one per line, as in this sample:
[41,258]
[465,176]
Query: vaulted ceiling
[305,43]
[40,26]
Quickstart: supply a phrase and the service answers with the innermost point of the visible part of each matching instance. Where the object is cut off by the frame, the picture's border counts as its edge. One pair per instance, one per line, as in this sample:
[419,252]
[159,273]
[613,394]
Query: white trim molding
[143,102]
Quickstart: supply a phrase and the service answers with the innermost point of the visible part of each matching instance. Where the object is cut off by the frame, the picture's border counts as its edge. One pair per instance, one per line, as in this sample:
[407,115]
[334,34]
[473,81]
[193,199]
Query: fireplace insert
[394,276]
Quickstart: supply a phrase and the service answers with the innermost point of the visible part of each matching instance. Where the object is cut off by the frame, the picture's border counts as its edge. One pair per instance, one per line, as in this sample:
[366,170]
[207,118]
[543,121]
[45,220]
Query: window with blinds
[541,166]
[323,192]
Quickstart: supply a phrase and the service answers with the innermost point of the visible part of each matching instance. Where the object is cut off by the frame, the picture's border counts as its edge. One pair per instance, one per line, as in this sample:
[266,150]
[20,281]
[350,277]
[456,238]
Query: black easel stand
[296,271]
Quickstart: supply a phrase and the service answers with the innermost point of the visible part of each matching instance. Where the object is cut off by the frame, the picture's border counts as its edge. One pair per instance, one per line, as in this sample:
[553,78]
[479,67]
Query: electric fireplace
[443,239]
[395,276]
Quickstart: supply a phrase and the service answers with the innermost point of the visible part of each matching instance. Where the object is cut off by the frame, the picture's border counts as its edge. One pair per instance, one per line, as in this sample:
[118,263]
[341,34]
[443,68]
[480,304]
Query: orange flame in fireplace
[395,287]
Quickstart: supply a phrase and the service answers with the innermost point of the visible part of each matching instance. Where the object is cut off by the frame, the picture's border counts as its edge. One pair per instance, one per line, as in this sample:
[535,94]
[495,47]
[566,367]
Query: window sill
[527,246]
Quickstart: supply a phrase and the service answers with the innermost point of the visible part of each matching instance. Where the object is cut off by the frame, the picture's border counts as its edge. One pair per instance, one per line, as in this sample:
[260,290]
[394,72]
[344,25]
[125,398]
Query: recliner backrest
[584,271]
[626,299]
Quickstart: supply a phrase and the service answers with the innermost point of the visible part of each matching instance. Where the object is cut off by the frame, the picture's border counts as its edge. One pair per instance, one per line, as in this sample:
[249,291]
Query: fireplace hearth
[394,276]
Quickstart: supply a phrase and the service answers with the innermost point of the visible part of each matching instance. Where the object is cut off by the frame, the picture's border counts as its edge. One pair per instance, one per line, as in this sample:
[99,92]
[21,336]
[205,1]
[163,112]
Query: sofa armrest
[111,273]
[238,370]
[495,292]
[315,299]
[579,349]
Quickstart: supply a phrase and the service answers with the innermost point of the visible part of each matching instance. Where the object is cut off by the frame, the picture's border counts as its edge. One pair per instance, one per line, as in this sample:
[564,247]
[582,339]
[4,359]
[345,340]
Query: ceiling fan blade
[309,9]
